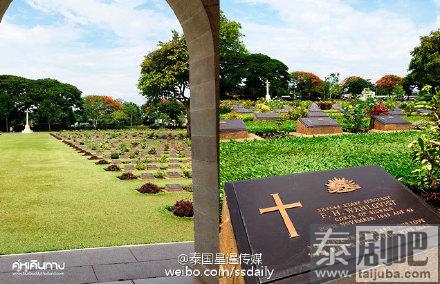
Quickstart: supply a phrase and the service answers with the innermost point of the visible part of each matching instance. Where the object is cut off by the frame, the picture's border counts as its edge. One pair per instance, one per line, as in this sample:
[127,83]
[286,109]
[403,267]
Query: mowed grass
[52,198]
[283,156]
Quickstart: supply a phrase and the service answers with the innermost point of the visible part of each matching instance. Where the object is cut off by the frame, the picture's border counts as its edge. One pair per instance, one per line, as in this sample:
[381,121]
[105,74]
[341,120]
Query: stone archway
[200,22]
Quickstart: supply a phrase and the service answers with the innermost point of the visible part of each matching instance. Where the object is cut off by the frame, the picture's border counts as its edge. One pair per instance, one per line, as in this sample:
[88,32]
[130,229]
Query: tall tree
[258,68]
[355,85]
[331,87]
[99,109]
[424,68]
[7,106]
[165,73]
[307,85]
[387,84]
[232,54]
[55,102]
[133,113]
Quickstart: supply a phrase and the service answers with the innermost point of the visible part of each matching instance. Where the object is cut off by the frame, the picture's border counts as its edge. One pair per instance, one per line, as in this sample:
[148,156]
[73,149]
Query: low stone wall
[234,135]
[391,127]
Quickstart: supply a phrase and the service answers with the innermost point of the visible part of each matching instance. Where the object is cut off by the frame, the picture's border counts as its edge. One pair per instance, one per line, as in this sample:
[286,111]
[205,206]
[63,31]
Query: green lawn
[52,198]
[283,156]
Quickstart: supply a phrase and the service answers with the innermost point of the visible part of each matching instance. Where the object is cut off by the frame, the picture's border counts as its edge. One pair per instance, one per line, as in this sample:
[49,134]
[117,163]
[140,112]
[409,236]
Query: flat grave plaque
[423,111]
[129,167]
[233,129]
[314,107]
[151,167]
[396,112]
[240,110]
[173,175]
[283,110]
[174,166]
[173,187]
[316,114]
[390,123]
[116,161]
[273,216]
[318,126]
[336,107]
[147,176]
[266,116]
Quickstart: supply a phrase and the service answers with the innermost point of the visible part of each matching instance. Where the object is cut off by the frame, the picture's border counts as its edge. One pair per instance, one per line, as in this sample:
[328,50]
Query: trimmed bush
[113,168]
[102,162]
[183,208]
[127,176]
[149,188]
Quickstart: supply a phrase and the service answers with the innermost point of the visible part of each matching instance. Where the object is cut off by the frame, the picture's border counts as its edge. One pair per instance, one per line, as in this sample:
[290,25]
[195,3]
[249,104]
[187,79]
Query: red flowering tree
[307,85]
[99,109]
[387,84]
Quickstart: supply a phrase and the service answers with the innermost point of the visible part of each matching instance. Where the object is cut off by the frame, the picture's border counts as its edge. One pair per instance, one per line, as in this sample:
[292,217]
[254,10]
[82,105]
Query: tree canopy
[232,55]
[306,85]
[387,84]
[355,85]
[52,101]
[165,71]
[424,68]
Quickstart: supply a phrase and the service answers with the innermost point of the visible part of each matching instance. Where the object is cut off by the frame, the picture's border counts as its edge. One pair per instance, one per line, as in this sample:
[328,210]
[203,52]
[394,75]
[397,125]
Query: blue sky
[99,44]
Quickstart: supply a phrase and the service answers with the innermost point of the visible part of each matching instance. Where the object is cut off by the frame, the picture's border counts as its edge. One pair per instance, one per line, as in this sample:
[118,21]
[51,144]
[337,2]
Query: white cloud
[330,36]
[61,51]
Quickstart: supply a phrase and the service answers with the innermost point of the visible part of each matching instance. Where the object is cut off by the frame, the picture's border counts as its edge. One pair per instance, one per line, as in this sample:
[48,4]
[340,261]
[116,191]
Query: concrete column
[200,22]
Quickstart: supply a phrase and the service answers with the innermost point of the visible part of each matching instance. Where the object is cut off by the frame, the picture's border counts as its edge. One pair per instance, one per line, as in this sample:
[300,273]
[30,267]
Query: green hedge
[271,128]
[274,157]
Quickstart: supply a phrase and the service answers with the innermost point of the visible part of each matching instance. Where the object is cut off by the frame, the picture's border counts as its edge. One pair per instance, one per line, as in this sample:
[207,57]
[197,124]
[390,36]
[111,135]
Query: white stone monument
[27,128]
[267,91]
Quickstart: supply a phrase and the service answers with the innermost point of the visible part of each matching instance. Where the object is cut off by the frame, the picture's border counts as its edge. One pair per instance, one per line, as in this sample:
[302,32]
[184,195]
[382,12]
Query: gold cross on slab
[282,209]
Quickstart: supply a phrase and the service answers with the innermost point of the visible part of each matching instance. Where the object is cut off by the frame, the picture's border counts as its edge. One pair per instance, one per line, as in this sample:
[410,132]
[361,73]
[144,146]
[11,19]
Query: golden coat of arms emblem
[341,185]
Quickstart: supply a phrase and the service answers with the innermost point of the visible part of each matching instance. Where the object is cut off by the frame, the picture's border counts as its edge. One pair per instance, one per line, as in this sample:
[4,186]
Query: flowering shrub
[113,168]
[149,188]
[263,108]
[295,113]
[354,118]
[426,150]
[183,208]
[379,109]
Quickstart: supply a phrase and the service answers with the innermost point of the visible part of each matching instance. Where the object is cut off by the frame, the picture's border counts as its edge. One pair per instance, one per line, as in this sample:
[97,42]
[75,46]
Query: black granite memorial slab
[318,121]
[173,175]
[173,187]
[390,123]
[314,107]
[316,114]
[232,125]
[273,216]
[147,176]
[423,111]
[396,112]
[242,110]
[266,116]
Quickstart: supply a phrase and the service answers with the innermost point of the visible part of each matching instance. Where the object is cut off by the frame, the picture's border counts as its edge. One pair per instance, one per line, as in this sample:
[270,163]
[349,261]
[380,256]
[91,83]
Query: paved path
[142,264]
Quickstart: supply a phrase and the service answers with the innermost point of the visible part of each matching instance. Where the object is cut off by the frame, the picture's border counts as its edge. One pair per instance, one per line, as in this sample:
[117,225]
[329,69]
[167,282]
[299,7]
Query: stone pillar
[200,22]
[4,4]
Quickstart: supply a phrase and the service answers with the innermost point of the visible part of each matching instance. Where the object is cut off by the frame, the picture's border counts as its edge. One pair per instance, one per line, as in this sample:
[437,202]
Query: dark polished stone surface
[390,119]
[319,122]
[269,235]
[232,125]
